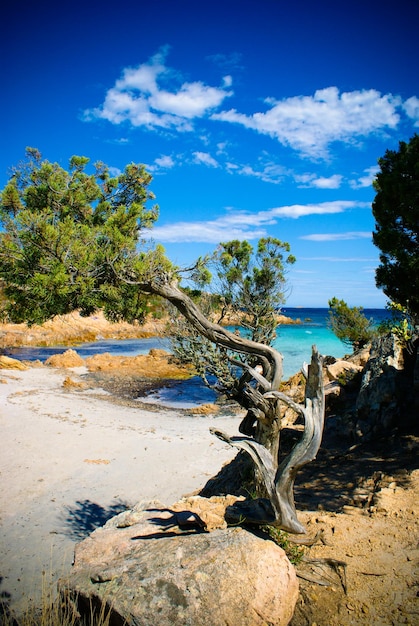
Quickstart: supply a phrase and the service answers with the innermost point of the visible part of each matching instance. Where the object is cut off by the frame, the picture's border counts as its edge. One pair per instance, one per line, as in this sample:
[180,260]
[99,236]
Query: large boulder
[153,565]
[386,395]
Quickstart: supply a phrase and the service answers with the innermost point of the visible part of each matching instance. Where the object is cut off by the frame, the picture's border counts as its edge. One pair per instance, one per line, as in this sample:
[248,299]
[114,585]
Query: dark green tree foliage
[396,213]
[349,324]
[67,235]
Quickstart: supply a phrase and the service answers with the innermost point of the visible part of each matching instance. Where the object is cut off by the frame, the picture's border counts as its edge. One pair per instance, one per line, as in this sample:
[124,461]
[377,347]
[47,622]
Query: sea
[294,341]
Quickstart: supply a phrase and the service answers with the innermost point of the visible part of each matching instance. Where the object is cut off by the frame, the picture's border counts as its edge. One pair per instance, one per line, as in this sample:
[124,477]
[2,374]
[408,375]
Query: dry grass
[55,610]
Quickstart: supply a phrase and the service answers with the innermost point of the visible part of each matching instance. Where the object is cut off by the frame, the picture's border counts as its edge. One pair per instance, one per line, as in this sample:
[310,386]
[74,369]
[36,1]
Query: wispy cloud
[310,124]
[164,162]
[295,211]
[366,179]
[141,98]
[205,158]
[246,225]
[319,182]
[212,231]
[267,172]
[337,236]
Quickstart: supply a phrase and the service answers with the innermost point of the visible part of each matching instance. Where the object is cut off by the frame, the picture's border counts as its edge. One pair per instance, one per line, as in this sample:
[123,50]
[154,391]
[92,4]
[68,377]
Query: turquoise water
[294,342]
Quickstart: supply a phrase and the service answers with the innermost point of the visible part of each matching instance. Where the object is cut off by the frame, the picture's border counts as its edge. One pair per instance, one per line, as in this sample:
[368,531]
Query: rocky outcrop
[69,358]
[75,328]
[7,363]
[156,364]
[341,369]
[154,565]
[386,395]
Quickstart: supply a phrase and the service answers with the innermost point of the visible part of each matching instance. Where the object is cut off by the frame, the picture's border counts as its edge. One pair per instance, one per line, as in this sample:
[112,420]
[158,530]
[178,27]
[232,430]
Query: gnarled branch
[169,290]
[279,482]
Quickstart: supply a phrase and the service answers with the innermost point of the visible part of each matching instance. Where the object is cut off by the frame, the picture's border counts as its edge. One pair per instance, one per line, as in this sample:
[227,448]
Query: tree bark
[263,418]
[214,332]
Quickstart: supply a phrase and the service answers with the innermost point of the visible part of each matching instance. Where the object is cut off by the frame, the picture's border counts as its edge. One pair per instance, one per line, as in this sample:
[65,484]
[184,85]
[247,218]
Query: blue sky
[255,118]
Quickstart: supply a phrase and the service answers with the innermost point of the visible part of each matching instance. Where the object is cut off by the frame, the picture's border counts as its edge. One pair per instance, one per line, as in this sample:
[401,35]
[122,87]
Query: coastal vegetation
[349,324]
[396,235]
[73,240]
[46,212]
[396,212]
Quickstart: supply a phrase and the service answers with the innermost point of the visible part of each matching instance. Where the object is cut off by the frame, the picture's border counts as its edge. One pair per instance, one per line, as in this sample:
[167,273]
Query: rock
[386,389]
[210,510]
[205,409]
[157,364]
[332,389]
[6,363]
[69,383]
[360,357]
[69,358]
[341,369]
[150,571]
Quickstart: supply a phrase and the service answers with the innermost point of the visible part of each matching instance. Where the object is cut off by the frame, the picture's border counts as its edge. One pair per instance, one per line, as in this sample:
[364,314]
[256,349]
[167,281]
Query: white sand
[67,456]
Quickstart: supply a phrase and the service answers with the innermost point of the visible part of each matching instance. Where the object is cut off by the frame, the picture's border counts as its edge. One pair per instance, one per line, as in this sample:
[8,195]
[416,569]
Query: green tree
[399,324]
[349,324]
[66,236]
[251,283]
[249,289]
[75,240]
[396,212]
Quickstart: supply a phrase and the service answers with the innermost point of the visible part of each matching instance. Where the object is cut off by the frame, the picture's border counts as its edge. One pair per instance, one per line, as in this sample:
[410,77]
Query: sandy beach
[71,457]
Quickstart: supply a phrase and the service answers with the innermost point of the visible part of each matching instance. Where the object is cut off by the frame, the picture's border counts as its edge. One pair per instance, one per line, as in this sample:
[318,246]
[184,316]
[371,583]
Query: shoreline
[73,329]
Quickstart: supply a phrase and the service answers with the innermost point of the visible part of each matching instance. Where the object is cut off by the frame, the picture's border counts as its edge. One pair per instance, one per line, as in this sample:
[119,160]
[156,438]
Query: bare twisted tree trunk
[262,422]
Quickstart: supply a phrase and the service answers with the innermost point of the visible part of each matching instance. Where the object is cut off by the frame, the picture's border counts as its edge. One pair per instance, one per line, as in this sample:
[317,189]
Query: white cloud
[206,232]
[268,172]
[153,95]
[310,124]
[338,236]
[243,224]
[322,182]
[295,211]
[205,158]
[140,98]
[411,107]
[164,162]
[366,180]
[332,182]
[191,100]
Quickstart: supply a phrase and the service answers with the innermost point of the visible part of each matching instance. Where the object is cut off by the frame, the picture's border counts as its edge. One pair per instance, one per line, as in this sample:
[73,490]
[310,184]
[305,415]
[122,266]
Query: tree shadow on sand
[84,516]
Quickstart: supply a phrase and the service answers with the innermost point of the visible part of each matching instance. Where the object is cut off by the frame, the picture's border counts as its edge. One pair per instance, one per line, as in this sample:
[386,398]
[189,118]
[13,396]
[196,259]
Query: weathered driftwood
[258,391]
[280,510]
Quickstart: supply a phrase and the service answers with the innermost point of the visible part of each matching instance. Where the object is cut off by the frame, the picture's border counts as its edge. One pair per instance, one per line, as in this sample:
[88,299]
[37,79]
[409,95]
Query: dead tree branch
[279,481]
